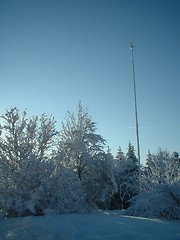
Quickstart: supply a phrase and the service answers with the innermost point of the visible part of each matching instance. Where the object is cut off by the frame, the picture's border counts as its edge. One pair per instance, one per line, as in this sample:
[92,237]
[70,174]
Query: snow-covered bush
[65,194]
[161,183]
[40,186]
[162,202]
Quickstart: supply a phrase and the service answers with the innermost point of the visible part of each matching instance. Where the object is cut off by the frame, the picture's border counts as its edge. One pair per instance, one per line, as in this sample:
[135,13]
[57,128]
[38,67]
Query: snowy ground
[100,226]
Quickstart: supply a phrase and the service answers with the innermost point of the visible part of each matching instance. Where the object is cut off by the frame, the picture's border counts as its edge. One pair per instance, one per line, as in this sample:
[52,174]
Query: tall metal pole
[136,115]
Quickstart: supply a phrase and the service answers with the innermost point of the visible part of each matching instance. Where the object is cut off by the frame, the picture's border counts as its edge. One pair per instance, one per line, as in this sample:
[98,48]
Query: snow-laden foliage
[81,149]
[79,141]
[99,181]
[161,186]
[161,168]
[126,173]
[30,182]
[162,202]
[44,171]
[22,138]
[39,186]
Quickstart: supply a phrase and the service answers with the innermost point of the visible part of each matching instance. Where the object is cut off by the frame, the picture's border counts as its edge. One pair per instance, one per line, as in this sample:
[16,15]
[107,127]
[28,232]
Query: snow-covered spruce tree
[122,194]
[119,156]
[110,186]
[29,181]
[126,172]
[132,168]
[82,149]
[161,184]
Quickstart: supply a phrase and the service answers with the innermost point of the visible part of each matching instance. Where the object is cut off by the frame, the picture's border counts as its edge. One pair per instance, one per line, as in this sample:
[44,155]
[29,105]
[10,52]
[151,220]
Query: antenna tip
[131,46]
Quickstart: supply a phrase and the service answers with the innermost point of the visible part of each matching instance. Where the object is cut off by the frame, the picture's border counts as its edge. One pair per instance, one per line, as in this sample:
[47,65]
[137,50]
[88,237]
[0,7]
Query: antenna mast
[136,115]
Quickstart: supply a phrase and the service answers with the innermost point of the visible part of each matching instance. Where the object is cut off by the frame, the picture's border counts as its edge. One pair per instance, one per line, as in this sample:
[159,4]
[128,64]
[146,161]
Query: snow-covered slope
[105,226]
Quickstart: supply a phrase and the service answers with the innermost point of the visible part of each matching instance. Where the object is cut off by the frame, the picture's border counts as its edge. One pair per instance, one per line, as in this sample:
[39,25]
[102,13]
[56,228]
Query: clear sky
[55,53]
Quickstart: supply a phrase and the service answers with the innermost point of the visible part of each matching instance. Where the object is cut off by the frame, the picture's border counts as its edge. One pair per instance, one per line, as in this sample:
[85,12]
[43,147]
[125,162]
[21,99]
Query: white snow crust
[96,226]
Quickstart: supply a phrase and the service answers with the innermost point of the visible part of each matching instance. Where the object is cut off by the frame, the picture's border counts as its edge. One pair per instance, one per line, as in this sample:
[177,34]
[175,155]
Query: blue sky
[55,53]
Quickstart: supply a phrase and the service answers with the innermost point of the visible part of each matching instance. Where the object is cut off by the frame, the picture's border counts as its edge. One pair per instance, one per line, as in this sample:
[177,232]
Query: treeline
[46,171]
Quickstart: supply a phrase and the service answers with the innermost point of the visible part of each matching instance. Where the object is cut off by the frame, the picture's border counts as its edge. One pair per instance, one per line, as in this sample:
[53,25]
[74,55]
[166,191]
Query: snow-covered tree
[172,170]
[82,149]
[23,138]
[79,142]
[131,158]
[161,168]
[120,155]
[149,180]
[102,181]
[132,170]
[126,177]
[30,180]
[118,200]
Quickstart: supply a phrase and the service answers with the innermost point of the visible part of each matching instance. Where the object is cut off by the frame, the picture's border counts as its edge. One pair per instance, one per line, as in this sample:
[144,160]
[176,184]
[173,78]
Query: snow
[96,226]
